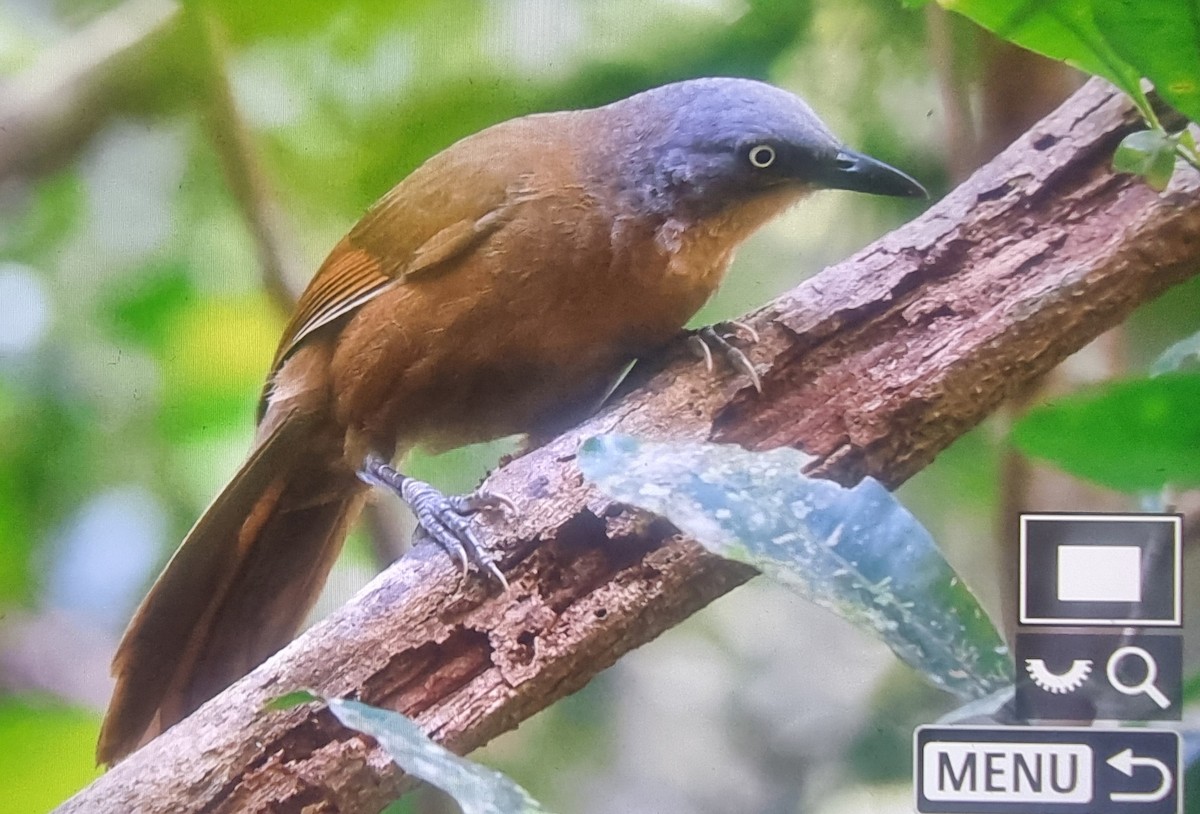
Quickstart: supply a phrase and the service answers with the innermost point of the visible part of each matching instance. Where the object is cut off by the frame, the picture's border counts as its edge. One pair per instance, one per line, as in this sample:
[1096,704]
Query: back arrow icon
[1125,762]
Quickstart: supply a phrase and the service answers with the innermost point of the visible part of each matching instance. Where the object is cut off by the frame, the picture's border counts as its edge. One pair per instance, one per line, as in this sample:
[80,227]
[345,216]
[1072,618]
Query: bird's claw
[451,546]
[445,520]
[717,336]
[482,502]
[735,327]
[702,350]
[448,521]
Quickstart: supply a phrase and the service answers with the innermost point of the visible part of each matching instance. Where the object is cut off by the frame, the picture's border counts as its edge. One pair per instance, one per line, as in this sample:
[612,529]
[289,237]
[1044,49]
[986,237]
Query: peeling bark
[875,366]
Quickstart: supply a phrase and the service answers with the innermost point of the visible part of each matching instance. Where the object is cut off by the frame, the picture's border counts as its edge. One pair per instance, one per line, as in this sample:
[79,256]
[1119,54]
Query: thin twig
[274,238]
[71,89]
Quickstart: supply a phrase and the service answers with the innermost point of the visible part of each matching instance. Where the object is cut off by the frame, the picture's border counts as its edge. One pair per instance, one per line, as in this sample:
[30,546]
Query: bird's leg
[717,336]
[444,519]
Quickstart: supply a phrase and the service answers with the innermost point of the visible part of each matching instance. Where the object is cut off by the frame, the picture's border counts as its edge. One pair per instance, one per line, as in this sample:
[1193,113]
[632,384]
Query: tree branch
[875,366]
[274,237]
[72,88]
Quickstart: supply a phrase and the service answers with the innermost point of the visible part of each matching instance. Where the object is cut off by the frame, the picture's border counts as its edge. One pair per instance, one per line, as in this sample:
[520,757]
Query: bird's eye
[762,156]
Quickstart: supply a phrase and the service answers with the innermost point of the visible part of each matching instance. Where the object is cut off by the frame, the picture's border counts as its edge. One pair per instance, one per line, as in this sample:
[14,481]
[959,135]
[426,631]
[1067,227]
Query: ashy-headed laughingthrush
[501,288]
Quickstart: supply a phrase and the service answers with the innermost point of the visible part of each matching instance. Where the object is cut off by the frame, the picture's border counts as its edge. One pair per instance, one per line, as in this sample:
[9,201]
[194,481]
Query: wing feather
[350,277]
[423,224]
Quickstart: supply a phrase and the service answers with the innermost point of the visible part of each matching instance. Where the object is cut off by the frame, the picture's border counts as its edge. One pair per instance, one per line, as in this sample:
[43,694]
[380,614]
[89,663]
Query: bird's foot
[710,337]
[444,519]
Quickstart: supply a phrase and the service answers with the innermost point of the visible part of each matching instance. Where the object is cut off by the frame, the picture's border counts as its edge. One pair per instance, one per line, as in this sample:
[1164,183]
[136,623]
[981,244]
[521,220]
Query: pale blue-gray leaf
[1183,355]
[477,789]
[855,551]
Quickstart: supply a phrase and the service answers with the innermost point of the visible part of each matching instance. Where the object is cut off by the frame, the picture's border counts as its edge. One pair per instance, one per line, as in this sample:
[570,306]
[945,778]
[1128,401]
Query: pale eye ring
[762,156]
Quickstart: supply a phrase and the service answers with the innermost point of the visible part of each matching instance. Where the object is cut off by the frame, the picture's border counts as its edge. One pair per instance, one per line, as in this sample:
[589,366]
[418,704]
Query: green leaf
[49,753]
[855,551]
[1148,153]
[1136,435]
[1161,39]
[477,789]
[1184,354]
[1060,29]
[288,700]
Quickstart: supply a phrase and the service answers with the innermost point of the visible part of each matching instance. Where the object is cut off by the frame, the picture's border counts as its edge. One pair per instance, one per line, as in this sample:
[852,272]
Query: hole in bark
[584,529]
[600,613]
[995,193]
[1045,142]
[414,679]
[539,487]
[523,650]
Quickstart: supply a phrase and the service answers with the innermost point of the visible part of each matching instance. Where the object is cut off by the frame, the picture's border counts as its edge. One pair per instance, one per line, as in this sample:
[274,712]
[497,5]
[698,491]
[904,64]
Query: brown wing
[348,278]
[353,275]
[444,208]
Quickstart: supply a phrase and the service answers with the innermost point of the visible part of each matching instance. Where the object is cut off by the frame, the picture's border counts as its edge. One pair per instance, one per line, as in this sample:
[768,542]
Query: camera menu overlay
[1118,578]
[1100,606]
[1107,676]
[1031,770]
[1101,570]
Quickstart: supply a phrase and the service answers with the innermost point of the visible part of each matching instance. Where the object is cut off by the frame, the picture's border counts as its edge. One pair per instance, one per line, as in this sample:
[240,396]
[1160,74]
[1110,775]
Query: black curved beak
[861,173]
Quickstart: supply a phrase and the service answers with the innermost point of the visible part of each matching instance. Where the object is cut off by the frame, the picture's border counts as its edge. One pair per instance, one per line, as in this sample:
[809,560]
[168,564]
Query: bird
[501,288]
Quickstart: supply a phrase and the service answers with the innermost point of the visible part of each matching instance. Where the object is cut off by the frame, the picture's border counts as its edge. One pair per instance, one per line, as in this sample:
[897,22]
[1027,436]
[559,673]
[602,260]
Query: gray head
[694,147]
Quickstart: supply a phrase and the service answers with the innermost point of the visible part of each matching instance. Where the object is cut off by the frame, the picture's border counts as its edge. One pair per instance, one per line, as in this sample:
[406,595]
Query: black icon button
[1106,676]
[1019,770]
[1110,569]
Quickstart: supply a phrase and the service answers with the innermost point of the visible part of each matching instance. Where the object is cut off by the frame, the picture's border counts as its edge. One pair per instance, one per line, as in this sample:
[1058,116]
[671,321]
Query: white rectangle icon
[1099,573]
[1098,584]
[964,771]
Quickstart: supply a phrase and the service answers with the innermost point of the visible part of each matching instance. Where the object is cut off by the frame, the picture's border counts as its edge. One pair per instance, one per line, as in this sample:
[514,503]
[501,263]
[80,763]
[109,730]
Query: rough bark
[875,366]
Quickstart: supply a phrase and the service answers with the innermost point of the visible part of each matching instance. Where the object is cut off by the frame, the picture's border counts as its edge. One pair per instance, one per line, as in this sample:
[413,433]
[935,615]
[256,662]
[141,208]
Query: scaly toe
[451,546]
[739,361]
[444,519]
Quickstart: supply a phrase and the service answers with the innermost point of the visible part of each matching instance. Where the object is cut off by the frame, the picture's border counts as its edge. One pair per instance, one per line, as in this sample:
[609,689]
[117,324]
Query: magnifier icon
[1146,685]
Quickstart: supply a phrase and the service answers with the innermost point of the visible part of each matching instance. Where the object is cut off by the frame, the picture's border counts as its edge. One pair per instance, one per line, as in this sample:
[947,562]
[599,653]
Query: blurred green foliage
[150,331]
[47,754]
[1153,422]
[160,330]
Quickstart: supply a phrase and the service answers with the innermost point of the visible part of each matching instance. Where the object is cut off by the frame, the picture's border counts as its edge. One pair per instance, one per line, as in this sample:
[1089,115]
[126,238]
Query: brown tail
[237,589]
